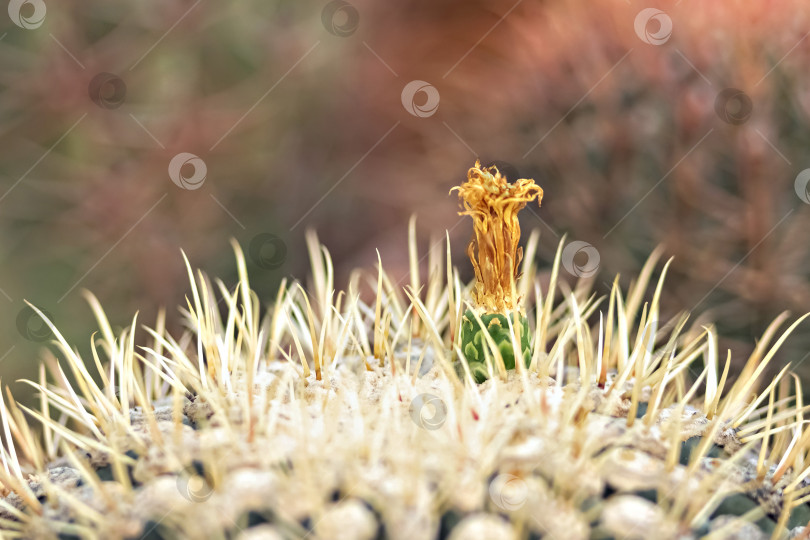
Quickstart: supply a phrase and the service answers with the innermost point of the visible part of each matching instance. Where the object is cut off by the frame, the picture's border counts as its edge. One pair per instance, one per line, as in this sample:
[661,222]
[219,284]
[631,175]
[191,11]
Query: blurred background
[132,129]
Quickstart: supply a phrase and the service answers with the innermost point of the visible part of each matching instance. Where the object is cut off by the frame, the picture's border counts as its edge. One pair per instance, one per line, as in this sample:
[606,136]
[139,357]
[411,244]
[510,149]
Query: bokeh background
[682,124]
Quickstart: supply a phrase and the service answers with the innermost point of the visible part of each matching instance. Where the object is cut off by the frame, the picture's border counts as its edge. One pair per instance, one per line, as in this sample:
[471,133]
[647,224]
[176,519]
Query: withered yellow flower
[494,203]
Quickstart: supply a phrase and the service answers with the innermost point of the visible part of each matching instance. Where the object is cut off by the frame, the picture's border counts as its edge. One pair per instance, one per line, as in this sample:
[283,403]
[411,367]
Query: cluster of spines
[313,331]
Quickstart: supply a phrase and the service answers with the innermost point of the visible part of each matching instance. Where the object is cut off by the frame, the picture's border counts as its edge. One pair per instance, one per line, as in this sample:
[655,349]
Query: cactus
[279,423]
[495,253]
[475,347]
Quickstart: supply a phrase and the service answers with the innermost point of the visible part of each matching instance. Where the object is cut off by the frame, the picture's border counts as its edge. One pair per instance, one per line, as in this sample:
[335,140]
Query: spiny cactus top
[494,203]
[270,422]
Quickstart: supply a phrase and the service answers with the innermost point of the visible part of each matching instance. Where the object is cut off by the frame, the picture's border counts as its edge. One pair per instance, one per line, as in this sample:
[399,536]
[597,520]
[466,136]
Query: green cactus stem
[474,343]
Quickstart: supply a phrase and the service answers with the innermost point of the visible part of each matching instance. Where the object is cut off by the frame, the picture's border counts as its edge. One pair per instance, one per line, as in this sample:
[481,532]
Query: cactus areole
[493,203]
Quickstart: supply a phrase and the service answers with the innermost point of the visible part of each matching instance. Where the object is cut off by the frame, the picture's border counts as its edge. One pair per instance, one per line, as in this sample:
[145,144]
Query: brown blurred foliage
[296,109]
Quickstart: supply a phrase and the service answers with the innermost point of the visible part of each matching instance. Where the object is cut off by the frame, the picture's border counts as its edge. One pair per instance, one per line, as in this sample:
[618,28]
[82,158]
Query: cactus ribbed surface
[474,343]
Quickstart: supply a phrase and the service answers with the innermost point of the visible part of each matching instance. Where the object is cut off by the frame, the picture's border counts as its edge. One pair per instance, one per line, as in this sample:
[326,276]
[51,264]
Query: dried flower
[494,203]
